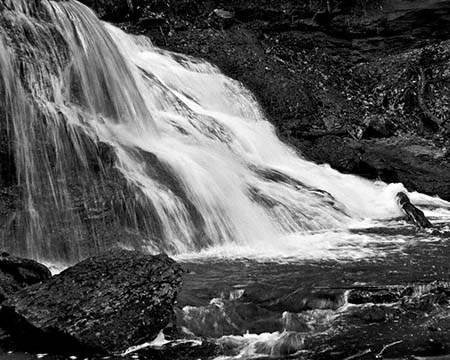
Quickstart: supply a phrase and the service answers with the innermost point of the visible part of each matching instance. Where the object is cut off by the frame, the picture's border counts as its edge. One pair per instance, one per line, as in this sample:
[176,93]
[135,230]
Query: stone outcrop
[102,305]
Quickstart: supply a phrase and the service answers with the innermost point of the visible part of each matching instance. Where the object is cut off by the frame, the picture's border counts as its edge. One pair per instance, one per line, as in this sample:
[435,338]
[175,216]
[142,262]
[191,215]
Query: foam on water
[277,344]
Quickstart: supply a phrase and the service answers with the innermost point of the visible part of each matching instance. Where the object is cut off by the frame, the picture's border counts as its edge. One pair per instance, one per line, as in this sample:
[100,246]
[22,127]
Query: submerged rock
[104,304]
[17,273]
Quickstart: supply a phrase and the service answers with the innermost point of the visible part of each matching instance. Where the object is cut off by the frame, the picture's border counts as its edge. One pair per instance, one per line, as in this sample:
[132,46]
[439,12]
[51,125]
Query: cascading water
[117,142]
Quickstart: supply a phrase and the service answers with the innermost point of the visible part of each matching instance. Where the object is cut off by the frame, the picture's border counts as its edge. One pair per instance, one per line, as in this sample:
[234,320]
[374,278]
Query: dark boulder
[17,273]
[104,304]
[413,214]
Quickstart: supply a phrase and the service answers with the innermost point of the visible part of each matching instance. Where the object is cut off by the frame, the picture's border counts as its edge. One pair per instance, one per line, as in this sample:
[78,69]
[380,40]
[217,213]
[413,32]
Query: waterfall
[118,142]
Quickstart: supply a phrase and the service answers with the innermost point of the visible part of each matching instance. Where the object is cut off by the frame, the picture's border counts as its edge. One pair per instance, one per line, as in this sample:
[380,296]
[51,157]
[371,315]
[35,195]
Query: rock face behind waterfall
[102,305]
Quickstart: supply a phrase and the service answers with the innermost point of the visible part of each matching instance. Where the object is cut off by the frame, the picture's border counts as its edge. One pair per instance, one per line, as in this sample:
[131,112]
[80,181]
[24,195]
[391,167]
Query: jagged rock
[17,273]
[104,304]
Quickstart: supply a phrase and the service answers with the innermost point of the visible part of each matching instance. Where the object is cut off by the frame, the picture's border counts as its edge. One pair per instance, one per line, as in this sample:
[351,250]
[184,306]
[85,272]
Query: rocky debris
[17,273]
[104,304]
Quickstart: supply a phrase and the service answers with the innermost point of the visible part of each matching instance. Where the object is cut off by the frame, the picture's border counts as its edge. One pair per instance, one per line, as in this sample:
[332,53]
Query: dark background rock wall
[362,85]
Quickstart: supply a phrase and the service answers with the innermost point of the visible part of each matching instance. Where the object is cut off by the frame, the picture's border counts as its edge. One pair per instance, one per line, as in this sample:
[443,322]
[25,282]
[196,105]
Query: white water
[238,189]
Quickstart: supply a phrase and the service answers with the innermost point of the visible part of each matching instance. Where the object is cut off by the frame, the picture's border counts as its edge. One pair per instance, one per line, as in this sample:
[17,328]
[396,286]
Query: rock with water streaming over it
[17,273]
[412,322]
[102,305]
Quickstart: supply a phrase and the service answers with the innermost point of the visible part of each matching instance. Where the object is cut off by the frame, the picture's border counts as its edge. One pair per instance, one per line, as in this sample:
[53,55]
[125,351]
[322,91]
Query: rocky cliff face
[362,85]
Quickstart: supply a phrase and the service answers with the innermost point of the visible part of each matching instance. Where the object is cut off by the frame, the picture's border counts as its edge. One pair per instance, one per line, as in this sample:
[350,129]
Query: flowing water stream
[202,173]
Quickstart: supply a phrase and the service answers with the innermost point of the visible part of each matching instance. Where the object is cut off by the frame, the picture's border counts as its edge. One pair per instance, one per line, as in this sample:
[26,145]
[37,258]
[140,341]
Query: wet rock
[104,304]
[302,300]
[294,322]
[278,300]
[417,163]
[375,313]
[413,214]
[415,325]
[222,317]
[342,154]
[377,296]
[17,273]
[260,293]
[399,160]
